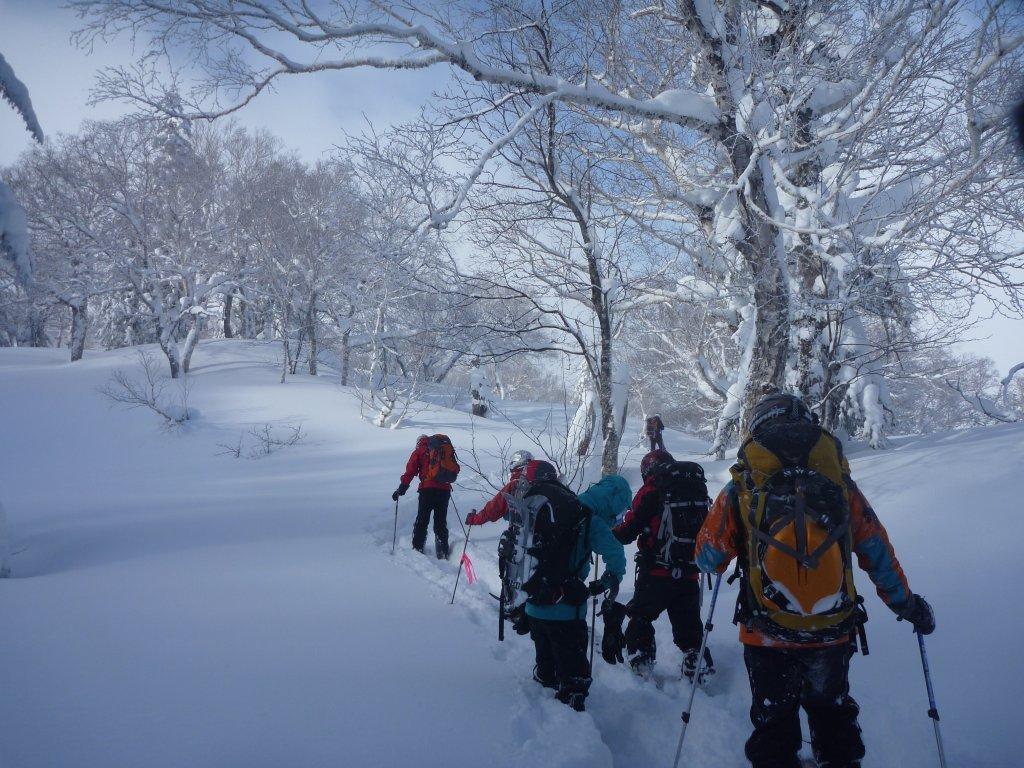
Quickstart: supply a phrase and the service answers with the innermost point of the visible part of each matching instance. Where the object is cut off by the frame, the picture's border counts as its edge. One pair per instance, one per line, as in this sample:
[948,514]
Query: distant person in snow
[665,516]
[435,463]
[794,517]
[654,427]
[544,584]
[497,507]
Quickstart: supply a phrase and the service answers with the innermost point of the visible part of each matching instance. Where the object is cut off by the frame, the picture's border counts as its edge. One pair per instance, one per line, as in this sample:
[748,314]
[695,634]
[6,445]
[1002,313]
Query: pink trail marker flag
[467,564]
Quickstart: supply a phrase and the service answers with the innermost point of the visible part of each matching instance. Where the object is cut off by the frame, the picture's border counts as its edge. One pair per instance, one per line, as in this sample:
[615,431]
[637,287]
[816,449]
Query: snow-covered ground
[176,607]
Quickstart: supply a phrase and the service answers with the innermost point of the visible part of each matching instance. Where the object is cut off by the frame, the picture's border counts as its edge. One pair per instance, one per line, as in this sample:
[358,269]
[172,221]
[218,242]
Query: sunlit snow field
[175,606]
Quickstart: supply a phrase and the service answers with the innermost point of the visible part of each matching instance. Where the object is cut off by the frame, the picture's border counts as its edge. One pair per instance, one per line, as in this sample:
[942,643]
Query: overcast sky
[308,112]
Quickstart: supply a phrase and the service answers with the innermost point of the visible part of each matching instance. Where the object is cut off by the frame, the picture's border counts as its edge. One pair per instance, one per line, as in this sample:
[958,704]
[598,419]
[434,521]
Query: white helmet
[519,459]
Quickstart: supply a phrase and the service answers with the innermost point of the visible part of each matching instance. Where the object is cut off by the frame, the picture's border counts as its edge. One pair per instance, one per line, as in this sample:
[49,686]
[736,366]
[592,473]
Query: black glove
[520,621]
[613,641]
[400,492]
[606,583]
[917,611]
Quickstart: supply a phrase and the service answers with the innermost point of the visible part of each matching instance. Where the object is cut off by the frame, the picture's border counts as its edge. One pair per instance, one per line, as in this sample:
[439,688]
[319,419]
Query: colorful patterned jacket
[719,542]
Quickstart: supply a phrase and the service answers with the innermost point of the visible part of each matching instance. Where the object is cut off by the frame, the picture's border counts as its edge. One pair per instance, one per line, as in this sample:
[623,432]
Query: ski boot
[441,549]
[690,666]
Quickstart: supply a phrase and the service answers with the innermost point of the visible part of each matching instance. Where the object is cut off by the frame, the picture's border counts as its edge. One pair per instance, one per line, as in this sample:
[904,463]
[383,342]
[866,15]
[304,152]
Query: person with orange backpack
[794,519]
[435,463]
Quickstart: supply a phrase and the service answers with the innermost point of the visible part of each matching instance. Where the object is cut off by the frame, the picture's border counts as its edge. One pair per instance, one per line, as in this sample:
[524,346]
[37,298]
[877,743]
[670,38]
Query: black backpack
[685,503]
[558,519]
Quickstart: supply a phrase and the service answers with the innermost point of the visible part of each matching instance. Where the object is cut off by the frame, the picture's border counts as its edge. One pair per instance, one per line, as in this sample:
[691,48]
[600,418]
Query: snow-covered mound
[172,605]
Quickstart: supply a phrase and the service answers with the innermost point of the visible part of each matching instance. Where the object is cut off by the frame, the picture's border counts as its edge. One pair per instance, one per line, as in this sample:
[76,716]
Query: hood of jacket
[608,498]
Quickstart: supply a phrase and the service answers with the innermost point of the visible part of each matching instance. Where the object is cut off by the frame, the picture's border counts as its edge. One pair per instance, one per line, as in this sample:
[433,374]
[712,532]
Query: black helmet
[778,407]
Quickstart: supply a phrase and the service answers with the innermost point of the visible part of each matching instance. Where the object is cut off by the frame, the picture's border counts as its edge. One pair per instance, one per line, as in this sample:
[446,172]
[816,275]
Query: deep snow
[171,606]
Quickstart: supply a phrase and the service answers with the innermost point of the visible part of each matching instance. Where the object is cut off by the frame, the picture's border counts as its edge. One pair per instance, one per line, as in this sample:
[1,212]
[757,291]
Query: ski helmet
[540,472]
[519,460]
[422,439]
[779,408]
[652,459]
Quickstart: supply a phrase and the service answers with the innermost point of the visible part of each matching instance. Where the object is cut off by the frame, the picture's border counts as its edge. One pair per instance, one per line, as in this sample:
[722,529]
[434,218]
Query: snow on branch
[16,94]
[258,25]
[984,405]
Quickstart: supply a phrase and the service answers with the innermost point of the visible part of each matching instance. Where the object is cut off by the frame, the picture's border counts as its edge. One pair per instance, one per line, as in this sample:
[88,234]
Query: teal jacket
[603,500]
[608,498]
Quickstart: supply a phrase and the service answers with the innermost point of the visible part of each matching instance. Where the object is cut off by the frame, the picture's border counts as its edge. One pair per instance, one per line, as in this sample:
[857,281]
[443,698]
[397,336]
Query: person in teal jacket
[559,632]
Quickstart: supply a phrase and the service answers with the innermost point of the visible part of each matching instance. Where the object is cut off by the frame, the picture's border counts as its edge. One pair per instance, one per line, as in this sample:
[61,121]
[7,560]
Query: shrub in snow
[148,391]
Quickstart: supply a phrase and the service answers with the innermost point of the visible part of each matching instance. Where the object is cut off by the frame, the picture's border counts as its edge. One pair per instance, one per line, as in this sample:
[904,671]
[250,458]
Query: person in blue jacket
[559,631]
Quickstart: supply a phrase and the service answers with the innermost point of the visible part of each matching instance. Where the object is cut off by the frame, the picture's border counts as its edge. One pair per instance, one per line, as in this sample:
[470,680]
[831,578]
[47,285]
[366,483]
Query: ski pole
[708,626]
[458,517]
[394,537]
[593,614]
[933,710]
[465,543]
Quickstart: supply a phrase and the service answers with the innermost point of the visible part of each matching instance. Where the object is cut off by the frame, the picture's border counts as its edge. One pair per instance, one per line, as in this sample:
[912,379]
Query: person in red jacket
[660,588]
[654,427]
[433,500]
[497,508]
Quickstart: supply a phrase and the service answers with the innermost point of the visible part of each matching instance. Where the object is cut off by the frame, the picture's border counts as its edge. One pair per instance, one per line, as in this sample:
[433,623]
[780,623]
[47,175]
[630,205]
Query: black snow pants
[562,663]
[654,594]
[432,500]
[781,681]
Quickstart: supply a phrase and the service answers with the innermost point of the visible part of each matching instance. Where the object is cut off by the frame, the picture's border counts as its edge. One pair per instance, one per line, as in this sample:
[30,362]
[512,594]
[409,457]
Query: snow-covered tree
[14,243]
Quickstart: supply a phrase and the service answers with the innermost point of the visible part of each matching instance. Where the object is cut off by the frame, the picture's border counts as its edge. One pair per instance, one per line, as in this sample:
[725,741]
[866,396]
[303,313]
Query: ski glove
[917,611]
[613,642]
[471,518]
[399,492]
[607,583]
[520,621]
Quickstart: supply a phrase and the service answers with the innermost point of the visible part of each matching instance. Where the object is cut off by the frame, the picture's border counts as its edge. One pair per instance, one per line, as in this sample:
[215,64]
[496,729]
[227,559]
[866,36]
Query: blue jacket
[601,499]
[608,498]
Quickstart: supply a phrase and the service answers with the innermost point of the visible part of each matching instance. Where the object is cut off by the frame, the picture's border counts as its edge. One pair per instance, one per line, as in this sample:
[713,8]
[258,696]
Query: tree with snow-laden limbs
[835,175]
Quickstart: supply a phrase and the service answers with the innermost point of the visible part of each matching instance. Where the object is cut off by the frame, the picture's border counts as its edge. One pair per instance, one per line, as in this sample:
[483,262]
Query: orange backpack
[795,511]
[442,463]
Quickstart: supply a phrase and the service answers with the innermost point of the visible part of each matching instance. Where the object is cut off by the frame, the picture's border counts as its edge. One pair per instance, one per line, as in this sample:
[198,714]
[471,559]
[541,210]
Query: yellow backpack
[795,511]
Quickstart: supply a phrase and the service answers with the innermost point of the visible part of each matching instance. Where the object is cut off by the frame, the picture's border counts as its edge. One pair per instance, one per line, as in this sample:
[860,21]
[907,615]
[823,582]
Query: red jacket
[643,520]
[497,508]
[417,465]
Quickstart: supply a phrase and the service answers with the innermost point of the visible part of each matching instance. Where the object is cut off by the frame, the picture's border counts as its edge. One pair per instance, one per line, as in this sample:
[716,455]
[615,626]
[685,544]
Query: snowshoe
[441,549]
[642,665]
[690,667]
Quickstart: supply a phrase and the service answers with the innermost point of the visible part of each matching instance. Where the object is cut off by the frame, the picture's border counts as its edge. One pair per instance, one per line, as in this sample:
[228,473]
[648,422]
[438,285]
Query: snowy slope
[176,607]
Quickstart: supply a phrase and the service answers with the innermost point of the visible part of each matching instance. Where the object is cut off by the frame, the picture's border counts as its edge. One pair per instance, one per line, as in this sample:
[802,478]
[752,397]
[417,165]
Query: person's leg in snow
[561,654]
[647,604]
[775,685]
[419,528]
[687,629]
[781,680]
[831,711]
[440,510]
